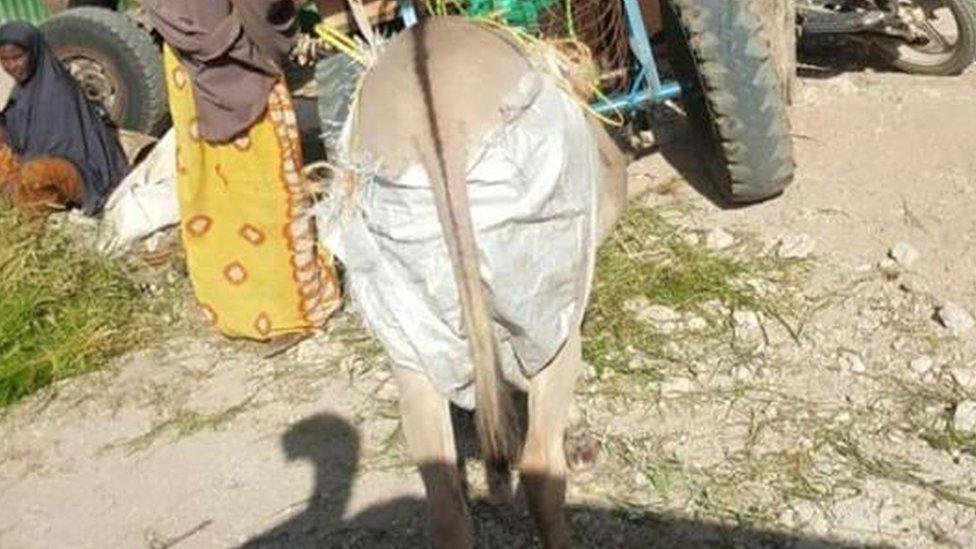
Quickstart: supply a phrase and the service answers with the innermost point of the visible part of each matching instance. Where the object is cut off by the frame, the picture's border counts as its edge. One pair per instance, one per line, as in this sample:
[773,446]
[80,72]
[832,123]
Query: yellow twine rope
[565,64]
[341,42]
[568,55]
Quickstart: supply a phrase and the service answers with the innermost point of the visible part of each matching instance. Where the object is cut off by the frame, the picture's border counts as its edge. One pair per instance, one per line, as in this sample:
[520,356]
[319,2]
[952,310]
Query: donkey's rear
[471,250]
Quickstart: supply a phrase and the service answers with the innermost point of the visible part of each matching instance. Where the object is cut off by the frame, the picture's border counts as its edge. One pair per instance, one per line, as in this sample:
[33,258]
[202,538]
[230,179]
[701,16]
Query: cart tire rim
[97,80]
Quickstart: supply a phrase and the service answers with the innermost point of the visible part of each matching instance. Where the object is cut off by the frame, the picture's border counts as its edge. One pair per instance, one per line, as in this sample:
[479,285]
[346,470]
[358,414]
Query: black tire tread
[740,106]
[140,53]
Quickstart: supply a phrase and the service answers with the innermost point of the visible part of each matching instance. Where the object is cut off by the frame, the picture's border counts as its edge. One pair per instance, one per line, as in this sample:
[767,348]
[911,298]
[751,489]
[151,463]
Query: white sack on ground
[533,191]
[145,202]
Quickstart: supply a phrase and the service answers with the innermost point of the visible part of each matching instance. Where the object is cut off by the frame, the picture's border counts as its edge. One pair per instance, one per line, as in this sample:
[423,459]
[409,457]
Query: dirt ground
[833,436]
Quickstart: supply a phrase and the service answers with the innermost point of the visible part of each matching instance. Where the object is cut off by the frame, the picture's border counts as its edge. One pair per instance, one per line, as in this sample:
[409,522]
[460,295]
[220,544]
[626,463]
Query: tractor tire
[731,96]
[116,62]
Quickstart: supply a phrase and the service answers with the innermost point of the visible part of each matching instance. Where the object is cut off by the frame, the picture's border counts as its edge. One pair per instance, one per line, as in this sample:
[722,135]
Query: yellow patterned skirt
[247,227]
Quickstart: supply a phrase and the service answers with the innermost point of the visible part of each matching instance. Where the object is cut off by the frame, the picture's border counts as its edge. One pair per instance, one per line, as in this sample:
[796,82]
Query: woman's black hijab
[49,115]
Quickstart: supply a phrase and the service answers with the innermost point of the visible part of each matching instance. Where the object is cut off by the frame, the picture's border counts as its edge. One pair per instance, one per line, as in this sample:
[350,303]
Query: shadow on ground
[679,146]
[822,57]
[332,445]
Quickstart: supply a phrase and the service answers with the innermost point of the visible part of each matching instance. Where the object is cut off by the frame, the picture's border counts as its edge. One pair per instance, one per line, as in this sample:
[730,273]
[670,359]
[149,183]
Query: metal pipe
[639,99]
[641,43]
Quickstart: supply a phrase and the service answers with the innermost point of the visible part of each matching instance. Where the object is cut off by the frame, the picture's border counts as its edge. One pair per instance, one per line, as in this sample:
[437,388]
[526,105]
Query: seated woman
[56,148]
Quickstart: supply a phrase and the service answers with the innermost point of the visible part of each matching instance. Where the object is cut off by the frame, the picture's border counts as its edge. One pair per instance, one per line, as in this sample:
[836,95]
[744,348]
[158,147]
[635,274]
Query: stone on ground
[955,319]
[964,420]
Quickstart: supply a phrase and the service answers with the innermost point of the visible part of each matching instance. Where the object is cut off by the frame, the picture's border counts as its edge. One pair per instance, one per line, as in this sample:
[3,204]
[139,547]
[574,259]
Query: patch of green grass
[64,310]
[350,330]
[743,444]
[800,454]
[648,257]
[900,471]
[747,486]
[927,409]
[948,439]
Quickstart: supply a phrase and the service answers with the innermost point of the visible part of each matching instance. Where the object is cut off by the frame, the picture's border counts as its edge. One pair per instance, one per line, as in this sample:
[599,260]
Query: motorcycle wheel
[731,96]
[949,44]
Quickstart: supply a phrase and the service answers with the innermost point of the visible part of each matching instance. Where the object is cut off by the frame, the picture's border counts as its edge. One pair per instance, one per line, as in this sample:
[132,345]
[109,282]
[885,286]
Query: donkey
[435,90]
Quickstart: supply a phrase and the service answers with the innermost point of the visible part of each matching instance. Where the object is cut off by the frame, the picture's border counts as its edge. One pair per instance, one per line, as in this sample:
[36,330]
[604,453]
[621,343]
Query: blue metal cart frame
[647,88]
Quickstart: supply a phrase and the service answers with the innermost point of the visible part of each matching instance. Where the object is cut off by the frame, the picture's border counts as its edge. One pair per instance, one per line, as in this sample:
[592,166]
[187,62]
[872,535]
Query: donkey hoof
[500,491]
[582,447]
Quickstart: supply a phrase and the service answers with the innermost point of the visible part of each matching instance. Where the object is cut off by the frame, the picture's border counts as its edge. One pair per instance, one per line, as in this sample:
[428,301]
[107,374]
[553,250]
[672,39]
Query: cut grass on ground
[709,419]
[64,310]
[648,258]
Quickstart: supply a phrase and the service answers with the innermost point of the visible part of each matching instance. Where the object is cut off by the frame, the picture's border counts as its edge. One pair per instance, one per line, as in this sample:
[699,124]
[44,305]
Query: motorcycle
[935,37]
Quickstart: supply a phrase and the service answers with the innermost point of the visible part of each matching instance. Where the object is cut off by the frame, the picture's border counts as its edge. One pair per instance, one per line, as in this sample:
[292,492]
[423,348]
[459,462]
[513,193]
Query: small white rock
[718,239]
[964,421]
[868,323]
[889,268]
[716,306]
[691,239]
[741,373]
[913,285]
[641,310]
[638,362]
[747,320]
[904,254]
[955,319]
[697,324]
[921,365]
[752,283]
[853,362]
[965,377]
[896,437]
[796,246]
[678,386]
[660,314]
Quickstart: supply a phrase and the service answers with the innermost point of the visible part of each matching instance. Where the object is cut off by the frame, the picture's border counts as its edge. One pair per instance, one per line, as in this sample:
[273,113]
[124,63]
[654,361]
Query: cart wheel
[115,62]
[731,96]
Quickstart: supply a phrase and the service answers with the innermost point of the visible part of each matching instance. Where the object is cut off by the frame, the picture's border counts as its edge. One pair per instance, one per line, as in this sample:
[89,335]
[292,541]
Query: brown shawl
[233,50]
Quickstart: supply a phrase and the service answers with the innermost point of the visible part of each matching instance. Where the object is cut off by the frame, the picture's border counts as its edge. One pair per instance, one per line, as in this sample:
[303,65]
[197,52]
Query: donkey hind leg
[543,465]
[430,443]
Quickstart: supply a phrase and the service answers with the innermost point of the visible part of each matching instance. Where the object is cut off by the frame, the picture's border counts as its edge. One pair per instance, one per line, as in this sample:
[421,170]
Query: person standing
[247,223]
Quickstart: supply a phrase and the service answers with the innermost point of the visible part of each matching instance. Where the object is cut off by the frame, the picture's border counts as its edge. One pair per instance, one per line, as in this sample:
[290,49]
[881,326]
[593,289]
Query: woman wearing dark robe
[50,127]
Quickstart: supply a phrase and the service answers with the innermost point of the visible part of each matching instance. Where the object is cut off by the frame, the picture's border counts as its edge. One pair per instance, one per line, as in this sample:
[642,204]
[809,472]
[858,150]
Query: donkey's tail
[444,154]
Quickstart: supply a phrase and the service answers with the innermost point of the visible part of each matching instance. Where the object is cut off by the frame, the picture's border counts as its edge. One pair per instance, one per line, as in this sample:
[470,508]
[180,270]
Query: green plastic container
[37,11]
[32,11]
[521,13]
